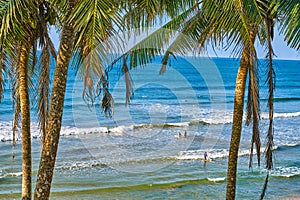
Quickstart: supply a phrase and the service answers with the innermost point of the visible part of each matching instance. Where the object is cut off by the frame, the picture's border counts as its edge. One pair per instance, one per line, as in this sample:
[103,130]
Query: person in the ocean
[179,135]
[185,134]
[205,155]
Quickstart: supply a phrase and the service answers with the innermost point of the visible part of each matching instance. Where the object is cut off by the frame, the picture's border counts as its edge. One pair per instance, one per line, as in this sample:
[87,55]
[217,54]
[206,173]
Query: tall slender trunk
[238,117]
[237,125]
[50,145]
[25,115]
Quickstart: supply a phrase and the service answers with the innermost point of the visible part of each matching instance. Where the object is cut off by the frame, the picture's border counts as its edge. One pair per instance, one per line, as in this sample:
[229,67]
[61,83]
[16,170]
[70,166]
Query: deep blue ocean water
[137,153]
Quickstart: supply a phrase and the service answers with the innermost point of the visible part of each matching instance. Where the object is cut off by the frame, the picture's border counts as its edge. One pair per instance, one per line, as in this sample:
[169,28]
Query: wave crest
[286,172]
[221,179]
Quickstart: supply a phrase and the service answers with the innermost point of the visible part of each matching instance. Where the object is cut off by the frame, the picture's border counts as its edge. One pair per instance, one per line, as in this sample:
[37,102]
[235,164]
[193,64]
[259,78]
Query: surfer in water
[205,155]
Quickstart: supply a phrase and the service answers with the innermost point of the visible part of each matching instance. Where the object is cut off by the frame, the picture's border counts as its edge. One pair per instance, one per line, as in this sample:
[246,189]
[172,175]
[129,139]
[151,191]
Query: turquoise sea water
[137,153]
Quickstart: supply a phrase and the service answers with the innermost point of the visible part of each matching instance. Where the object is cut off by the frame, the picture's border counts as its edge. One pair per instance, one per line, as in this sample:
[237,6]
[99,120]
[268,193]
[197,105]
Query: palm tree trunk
[237,124]
[50,145]
[25,111]
[248,55]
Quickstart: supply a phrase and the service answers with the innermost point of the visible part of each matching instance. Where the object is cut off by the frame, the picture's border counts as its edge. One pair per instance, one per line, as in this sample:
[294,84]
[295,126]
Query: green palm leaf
[14,14]
[290,22]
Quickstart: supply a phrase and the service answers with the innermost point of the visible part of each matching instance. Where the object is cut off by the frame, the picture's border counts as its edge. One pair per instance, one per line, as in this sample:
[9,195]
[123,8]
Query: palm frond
[140,15]
[230,22]
[254,107]
[17,116]
[43,88]
[154,43]
[95,21]
[271,84]
[107,101]
[128,82]
[57,8]
[192,37]
[14,63]
[89,69]
[41,75]
[16,20]
[33,55]
[157,41]
[165,59]
[249,114]
[265,187]
[3,69]
[269,10]
[289,13]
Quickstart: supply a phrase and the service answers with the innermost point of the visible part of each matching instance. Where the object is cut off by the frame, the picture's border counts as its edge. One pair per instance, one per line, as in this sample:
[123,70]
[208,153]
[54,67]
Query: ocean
[138,153]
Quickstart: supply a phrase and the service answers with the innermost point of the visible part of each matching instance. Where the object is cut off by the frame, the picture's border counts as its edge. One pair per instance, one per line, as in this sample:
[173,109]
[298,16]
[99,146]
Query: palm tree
[16,28]
[25,110]
[84,22]
[289,15]
[50,141]
[229,23]
[13,26]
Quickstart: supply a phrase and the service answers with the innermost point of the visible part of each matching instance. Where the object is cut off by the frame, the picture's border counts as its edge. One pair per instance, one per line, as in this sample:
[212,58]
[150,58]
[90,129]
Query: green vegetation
[86,24]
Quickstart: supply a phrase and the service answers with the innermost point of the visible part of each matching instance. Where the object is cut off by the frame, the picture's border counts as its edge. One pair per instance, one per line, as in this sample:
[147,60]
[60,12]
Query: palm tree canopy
[289,14]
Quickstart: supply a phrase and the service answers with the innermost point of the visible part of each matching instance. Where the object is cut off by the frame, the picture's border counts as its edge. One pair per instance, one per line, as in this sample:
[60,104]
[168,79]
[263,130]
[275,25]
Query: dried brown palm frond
[13,76]
[107,101]
[268,10]
[265,186]
[90,71]
[271,85]
[253,101]
[253,108]
[3,60]
[128,81]
[43,89]
[42,39]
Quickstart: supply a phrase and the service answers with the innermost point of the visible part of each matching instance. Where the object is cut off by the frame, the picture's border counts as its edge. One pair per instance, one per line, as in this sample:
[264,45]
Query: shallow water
[137,154]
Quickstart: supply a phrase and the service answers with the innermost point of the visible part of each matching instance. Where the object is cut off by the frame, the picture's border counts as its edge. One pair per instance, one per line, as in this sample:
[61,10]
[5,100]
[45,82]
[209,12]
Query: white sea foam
[78,165]
[81,131]
[212,154]
[203,117]
[121,129]
[14,174]
[221,118]
[198,154]
[290,144]
[6,131]
[281,115]
[179,124]
[217,120]
[216,179]
[285,172]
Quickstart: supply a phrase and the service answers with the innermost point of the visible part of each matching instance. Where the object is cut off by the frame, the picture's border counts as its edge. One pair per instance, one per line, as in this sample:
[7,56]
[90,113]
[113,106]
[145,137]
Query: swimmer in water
[185,134]
[179,134]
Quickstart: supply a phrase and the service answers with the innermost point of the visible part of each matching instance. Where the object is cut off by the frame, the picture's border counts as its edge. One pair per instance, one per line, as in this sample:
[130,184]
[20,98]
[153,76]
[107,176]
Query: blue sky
[281,50]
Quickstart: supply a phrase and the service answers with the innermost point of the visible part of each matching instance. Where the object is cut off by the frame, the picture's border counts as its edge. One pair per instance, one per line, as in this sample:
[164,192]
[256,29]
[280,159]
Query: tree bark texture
[25,116]
[50,145]
[248,55]
[237,125]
